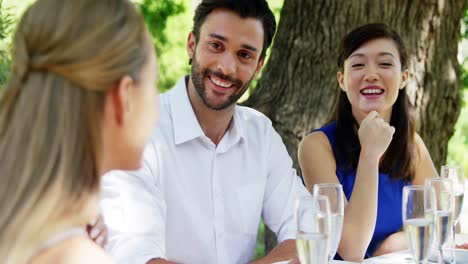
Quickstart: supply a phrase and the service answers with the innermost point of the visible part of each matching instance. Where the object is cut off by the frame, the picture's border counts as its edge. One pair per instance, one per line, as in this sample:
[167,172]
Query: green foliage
[156,14]
[464,75]
[458,144]
[173,60]
[464,31]
[260,248]
[6,22]
[462,44]
[159,15]
[4,67]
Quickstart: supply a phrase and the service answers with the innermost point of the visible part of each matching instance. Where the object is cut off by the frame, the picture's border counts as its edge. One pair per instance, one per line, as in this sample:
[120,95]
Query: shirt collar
[237,126]
[185,123]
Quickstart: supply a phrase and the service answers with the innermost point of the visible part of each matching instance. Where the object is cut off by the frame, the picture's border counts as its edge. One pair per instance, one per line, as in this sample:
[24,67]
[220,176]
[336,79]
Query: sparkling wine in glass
[442,191]
[455,173]
[313,228]
[334,192]
[418,221]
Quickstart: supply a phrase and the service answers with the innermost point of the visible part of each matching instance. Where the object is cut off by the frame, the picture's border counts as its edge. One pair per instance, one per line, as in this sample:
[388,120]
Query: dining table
[405,257]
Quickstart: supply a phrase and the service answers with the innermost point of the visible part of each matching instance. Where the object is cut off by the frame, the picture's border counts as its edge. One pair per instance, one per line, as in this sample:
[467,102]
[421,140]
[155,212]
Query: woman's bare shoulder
[316,159]
[314,140]
[83,250]
[74,251]
[424,167]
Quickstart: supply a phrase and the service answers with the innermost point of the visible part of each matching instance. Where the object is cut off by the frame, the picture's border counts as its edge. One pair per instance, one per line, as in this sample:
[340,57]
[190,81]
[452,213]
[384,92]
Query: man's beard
[197,74]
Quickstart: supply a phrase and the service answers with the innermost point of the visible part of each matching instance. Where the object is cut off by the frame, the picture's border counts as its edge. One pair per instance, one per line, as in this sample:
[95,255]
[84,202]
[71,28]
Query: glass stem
[452,251]
[441,256]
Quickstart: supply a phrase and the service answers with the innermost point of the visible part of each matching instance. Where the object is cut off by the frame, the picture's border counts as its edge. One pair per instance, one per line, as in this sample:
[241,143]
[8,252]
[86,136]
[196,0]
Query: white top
[194,202]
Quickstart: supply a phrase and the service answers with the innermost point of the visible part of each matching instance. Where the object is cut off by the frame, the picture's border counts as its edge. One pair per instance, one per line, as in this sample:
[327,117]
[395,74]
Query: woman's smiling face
[372,77]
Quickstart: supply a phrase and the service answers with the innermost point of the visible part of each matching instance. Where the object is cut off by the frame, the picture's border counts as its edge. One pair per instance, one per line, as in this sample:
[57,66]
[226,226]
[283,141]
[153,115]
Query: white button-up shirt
[195,202]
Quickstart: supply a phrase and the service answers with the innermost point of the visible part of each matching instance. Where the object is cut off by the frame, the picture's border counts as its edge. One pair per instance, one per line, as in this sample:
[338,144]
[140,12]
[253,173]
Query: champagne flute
[418,221]
[312,218]
[334,192]
[455,173]
[442,190]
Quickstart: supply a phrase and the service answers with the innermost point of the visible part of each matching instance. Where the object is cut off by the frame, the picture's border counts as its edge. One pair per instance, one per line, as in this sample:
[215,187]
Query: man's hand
[286,250]
[462,246]
[160,261]
[97,231]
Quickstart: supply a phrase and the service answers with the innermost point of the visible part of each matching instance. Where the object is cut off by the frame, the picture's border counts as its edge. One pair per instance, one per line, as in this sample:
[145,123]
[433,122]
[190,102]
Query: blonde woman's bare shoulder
[76,250]
[83,250]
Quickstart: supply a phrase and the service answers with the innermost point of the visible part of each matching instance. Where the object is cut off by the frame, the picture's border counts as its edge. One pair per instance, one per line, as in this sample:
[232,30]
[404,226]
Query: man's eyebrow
[249,47]
[214,35]
[245,46]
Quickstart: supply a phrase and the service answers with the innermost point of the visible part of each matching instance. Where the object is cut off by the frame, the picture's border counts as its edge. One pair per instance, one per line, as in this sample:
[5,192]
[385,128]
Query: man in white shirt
[212,168]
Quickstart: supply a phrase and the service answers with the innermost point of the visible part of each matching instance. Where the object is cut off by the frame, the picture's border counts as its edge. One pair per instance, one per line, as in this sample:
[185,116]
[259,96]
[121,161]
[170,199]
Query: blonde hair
[67,54]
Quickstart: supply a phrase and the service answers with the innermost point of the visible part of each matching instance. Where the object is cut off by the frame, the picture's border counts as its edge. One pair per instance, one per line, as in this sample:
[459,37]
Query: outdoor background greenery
[169,22]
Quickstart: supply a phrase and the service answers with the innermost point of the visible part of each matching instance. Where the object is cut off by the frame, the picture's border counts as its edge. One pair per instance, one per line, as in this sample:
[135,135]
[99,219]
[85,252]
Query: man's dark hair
[257,9]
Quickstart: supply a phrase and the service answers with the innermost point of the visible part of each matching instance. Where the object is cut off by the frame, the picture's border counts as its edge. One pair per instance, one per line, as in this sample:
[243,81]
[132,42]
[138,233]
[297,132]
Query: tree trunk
[298,87]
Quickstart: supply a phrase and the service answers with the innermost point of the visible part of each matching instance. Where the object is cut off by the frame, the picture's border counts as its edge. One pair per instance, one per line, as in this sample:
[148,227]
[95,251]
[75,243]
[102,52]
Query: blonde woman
[80,101]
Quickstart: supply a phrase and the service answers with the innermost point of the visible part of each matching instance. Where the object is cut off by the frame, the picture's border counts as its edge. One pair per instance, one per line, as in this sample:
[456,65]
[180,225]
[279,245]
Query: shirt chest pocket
[249,201]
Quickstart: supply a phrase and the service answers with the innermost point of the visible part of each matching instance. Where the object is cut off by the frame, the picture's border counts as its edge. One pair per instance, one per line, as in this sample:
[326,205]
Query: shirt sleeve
[134,210]
[282,189]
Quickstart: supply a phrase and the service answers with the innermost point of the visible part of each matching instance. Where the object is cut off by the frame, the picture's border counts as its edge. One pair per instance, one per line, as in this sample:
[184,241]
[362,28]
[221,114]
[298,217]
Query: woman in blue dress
[370,145]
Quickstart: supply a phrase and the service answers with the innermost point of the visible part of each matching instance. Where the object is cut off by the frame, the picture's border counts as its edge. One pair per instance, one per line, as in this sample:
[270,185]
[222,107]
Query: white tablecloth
[404,256]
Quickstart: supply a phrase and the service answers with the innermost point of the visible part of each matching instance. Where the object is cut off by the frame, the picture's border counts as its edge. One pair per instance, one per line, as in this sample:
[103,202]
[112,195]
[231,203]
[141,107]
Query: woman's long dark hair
[398,159]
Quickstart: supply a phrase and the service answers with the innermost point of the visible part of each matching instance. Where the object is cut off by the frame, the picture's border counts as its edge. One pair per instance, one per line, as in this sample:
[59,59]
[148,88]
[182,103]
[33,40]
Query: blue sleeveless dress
[390,192]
